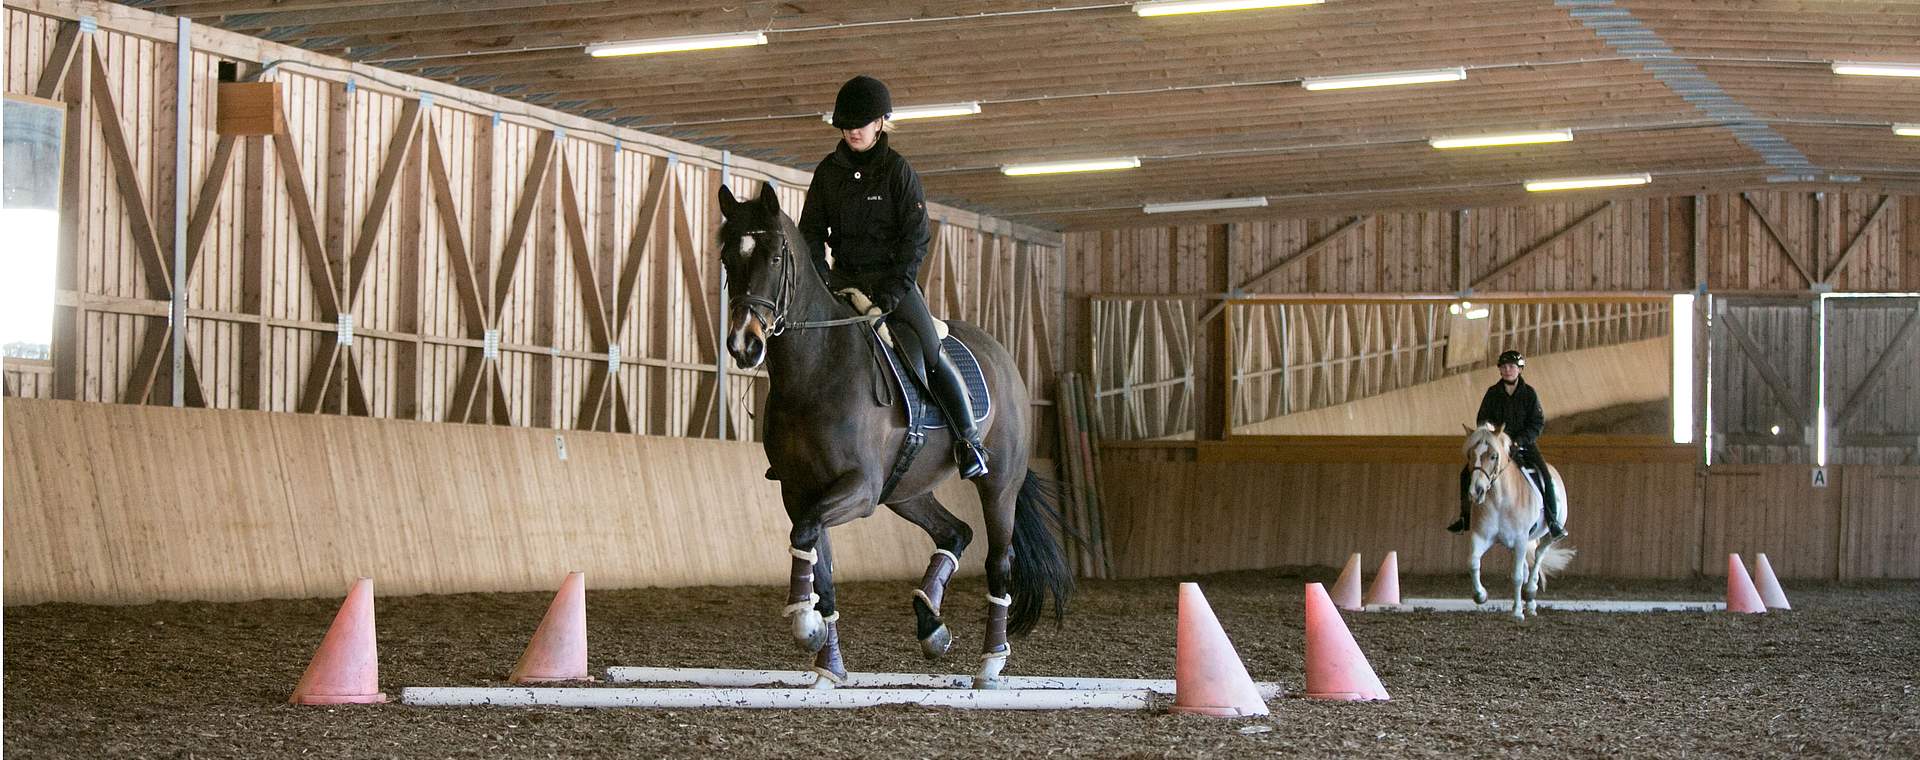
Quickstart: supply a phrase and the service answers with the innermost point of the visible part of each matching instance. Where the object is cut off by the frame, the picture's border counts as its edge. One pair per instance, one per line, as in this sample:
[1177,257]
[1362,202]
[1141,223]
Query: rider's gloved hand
[886,300]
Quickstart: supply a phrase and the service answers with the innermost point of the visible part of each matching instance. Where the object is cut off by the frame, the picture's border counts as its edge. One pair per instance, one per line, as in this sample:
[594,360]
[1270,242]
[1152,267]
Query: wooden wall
[1637,509]
[109,503]
[498,262]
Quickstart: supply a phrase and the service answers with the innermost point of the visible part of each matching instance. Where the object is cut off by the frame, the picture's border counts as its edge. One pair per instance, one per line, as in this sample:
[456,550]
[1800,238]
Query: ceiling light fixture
[924,112]
[676,44]
[1176,7]
[1577,183]
[1859,69]
[1907,130]
[1385,79]
[1258,201]
[1518,138]
[1062,167]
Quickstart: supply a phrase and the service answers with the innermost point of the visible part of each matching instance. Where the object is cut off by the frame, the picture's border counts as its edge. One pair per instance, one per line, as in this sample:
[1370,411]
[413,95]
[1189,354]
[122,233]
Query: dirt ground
[1835,677]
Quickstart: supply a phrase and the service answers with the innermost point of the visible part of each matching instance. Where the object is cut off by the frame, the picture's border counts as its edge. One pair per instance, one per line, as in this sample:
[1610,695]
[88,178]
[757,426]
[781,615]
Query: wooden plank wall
[440,226]
[1184,509]
[110,503]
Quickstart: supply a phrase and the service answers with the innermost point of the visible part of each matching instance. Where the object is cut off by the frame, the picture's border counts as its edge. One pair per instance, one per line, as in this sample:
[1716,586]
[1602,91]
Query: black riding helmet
[1512,357]
[861,100]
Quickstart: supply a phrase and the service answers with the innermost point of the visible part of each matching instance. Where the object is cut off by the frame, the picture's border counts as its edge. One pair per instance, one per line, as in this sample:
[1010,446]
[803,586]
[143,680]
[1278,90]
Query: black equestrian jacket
[1519,412]
[869,208]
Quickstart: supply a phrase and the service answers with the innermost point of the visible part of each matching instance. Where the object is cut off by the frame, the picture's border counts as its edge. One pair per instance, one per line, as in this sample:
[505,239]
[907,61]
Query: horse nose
[747,342]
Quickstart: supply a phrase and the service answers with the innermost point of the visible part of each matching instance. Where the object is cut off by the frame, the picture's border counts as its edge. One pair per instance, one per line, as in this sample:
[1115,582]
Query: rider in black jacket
[1513,404]
[865,203]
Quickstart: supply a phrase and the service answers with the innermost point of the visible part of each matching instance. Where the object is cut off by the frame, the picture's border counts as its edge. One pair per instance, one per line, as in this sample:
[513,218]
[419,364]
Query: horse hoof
[989,684]
[936,644]
[1479,597]
[810,630]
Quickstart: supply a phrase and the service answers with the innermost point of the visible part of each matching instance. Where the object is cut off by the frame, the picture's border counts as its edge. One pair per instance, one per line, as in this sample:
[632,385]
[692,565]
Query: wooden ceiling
[1702,94]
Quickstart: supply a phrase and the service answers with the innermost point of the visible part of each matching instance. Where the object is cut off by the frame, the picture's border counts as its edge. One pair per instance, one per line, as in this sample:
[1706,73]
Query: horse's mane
[1485,433]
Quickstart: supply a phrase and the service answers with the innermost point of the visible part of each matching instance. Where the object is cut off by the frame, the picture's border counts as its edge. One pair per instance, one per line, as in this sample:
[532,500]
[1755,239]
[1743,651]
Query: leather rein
[773,312]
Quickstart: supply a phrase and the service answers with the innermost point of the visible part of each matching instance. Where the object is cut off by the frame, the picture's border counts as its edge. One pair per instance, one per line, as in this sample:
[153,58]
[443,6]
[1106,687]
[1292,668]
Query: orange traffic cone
[346,668]
[1346,591]
[1208,677]
[1741,596]
[1768,585]
[1386,583]
[1335,667]
[558,651]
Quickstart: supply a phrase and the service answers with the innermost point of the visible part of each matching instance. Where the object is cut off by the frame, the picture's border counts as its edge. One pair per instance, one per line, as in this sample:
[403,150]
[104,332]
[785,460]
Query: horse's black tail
[1039,567]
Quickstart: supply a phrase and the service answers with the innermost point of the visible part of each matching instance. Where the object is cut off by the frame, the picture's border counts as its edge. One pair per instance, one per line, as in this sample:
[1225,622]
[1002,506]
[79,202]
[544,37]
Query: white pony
[1507,510]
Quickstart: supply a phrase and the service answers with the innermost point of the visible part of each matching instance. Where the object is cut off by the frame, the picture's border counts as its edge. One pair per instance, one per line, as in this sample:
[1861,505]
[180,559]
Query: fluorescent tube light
[1682,368]
[1061,167]
[1384,79]
[1516,138]
[676,44]
[1576,183]
[1220,203]
[924,112]
[1877,69]
[1174,7]
[1907,130]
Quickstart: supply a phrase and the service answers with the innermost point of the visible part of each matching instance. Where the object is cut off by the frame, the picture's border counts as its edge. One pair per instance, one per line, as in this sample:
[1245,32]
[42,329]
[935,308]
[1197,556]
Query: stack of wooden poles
[1079,474]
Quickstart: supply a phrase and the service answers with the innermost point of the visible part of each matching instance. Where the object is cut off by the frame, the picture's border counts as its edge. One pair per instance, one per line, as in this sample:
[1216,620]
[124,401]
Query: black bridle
[772,313]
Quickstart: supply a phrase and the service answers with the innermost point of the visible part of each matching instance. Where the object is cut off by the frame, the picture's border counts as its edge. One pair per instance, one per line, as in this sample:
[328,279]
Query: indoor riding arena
[410,379]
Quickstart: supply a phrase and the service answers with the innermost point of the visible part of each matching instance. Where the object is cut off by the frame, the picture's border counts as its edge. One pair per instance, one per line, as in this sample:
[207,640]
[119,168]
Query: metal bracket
[613,358]
[560,446]
[344,336]
[88,25]
[490,345]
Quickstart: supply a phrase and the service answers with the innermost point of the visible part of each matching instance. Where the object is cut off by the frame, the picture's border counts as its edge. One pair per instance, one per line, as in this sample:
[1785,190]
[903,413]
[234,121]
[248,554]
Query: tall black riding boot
[1552,508]
[1466,508]
[950,393]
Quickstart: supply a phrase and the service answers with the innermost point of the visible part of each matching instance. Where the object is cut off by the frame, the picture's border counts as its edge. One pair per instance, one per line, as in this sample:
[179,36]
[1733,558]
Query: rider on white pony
[1513,405]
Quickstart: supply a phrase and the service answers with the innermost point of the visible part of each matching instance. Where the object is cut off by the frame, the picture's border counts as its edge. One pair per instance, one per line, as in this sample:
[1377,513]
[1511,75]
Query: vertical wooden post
[70,322]
[1213,367]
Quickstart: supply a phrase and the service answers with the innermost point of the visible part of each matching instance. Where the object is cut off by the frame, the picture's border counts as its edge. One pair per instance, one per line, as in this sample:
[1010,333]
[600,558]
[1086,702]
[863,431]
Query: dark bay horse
[832,445]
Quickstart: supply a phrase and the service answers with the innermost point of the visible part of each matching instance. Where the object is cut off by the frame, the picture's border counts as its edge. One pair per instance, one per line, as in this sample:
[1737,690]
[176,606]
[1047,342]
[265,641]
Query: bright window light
[1467,310]
[676,44]
[1174,7]
[1257,201]
[1683,368]
[1577,183]
[26,292]
[1859,69]
[1907,130]
[1384,79]
[1515,138]
[1062,167]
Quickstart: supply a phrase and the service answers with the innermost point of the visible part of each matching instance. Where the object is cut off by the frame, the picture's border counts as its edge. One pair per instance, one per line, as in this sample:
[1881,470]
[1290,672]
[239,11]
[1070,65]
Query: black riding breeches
[912,314]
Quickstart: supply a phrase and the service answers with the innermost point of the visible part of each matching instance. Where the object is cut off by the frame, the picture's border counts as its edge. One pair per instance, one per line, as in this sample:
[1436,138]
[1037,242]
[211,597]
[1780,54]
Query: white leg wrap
[826,680]
[800,607]
[950,555]
[833,618]
[1004,601]
[810,557]
[922,596]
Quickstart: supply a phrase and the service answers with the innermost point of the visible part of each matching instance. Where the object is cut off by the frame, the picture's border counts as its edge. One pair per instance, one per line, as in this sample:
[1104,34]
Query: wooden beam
[465,284]
[1856,400]
[1853,244]
[1540,246]
[211,189]
[514,243]
[1274,268]
[313,252]
[591,299]
[1758,357]
[71,360]
[695,284]
[397,151]
[127,177]
[1777,240]
[313,394]
[639,246]
[58,61]
[146,364]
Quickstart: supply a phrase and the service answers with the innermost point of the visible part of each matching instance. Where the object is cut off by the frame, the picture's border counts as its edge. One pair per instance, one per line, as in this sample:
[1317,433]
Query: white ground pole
[1010,699]
[1564,605]
[729,677]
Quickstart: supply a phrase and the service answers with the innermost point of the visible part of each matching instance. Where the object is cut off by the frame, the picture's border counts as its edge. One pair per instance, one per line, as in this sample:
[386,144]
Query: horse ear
[769,198]
[727,202]
[1500,428]
[1466,427]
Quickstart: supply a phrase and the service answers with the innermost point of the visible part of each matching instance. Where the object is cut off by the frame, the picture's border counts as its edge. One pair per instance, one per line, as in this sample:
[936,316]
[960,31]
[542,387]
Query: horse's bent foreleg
[810,603]
[1479,547]
[950,537]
